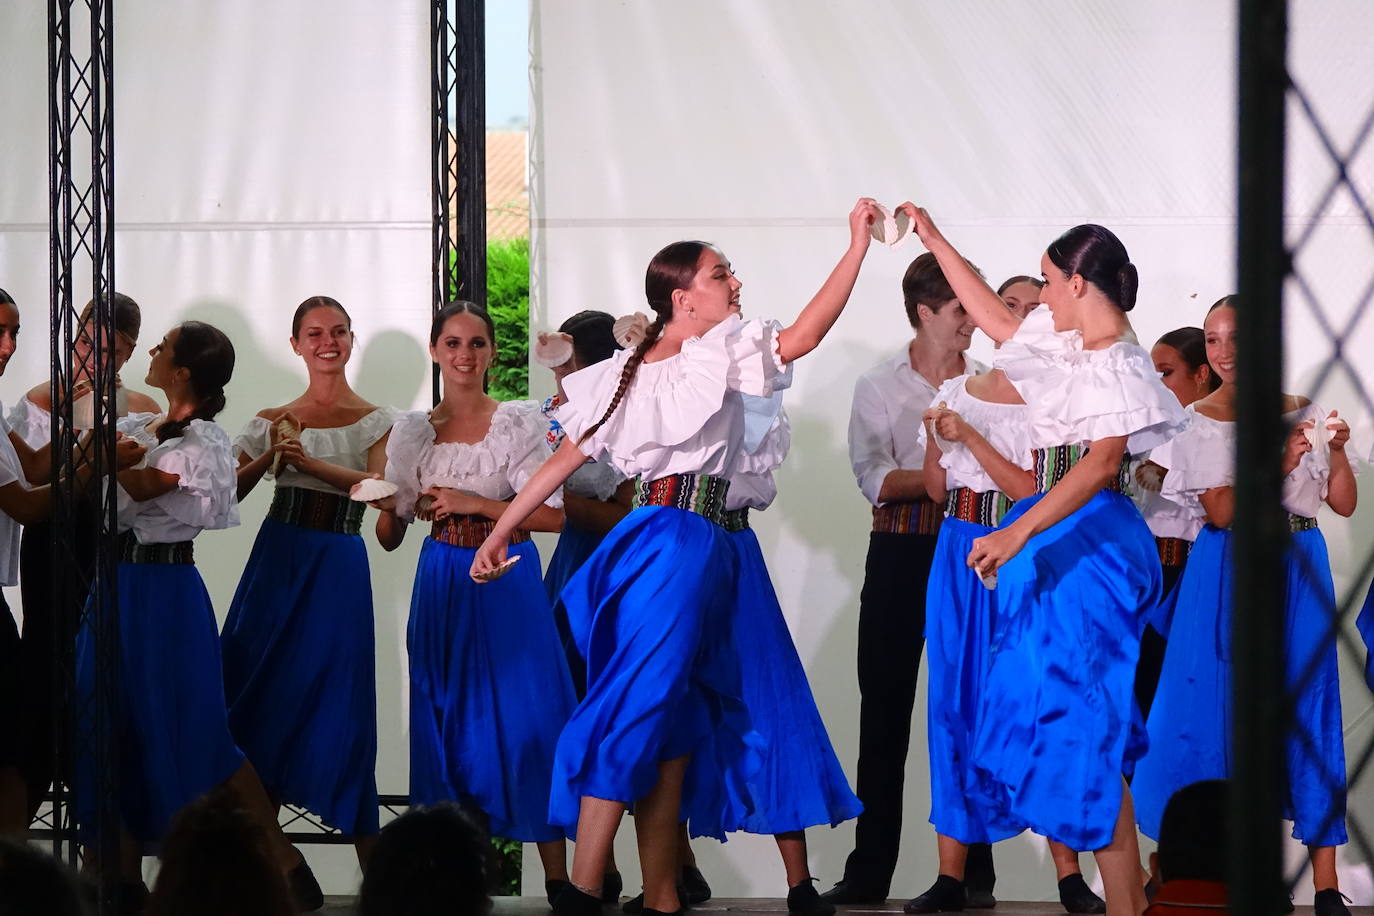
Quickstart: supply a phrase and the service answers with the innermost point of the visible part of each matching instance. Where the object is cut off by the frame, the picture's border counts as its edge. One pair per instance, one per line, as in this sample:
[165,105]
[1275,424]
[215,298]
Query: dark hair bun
[1129,280]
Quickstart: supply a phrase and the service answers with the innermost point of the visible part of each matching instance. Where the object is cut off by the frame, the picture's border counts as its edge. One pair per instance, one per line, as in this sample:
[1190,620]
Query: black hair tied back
[1129,280]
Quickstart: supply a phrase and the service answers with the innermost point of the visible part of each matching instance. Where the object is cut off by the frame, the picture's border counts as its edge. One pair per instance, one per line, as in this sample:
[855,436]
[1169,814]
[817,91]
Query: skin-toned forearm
[932,475]
[1341,494]
[981,301]
[341,478]
[36,463]
[1083,481]
[544,518]
[539,488]
[901,486]
[593,515]
[143,484]
[1219,503]
[820,314]
[250,471]
[25,506]
[1016,482]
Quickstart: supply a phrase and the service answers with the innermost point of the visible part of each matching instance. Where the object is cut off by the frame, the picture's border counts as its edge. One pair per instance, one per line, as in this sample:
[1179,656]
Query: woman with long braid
[663,723]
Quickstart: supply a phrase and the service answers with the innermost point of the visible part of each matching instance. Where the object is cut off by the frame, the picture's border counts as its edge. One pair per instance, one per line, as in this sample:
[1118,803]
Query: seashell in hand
[630,330]
[285,430]
[372,489]
[892,230]
[498,571]
[989,580]
[553,349]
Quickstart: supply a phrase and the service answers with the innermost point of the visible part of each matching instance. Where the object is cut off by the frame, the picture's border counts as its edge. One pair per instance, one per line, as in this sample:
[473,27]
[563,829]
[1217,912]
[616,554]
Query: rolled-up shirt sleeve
[872,453]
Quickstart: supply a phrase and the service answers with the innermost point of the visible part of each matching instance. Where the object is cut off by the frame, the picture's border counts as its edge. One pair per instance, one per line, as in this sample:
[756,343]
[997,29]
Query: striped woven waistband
[1298,523]
[1051,464]
[469,531]
[919,517]
[316,510]
[735,519]
[985,509]
[177,554]
[1173,551]
[700,494]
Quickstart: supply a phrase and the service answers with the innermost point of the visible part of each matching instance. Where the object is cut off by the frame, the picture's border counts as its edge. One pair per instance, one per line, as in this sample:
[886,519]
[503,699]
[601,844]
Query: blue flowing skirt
[1059,725]
[650,611]
[1190,722]
[575,545]
[959,622]
[300,672]
[171,732]
[1365,624]
[800,783]
[489,690]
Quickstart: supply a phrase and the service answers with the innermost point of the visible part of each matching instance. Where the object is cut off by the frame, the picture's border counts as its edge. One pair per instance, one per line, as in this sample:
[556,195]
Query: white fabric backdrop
[267,152]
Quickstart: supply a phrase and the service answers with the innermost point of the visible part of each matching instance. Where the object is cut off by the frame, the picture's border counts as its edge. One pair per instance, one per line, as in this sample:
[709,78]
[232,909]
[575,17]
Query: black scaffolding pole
[1261,530]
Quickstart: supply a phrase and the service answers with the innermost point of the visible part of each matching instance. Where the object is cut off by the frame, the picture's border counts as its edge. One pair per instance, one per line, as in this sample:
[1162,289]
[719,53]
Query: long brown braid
[671,269]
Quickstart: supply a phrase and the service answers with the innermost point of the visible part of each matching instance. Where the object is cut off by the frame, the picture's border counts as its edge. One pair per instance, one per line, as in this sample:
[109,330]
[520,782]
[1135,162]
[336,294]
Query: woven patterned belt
[469,531]
[700,494]
[735,519]
[177,554]
[1173,551]
[316,510]
[919,517]
[1298,523]
[1051,464]
[985,509]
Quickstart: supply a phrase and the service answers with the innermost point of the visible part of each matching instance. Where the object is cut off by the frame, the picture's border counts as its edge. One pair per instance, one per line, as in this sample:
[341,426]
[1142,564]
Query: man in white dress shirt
[888,402]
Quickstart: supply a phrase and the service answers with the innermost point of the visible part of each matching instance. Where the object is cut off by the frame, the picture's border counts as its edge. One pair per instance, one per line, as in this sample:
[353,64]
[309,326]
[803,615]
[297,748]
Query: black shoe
[305,890]
[693,886]
[847,893]
[978,898]
[1329,902]
[1077,897]
[553,888]
[803,900]
[979,878]
[572,902]
[611,886]
[946,895]
[635,904]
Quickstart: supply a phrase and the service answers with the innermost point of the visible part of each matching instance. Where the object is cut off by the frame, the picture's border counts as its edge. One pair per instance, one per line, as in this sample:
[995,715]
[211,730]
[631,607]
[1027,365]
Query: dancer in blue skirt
[172,732]
[976,437]
[489,686]
[663,725]
[1190,724]
[1075,565]
[597,496]
[301,621]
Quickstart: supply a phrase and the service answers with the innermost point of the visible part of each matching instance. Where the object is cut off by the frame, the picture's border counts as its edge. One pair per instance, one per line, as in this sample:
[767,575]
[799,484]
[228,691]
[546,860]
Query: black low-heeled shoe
[1330,902]
[848,893]
[803,900]
[571,901]
[635,905]
[946,895]
[305,890]
[693,883]
[1076,897]
[611,886]
[553,887]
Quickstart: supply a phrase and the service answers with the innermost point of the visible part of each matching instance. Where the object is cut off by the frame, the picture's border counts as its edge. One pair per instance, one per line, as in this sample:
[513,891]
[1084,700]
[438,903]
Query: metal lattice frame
[1268,265]
[459,166]
[81,215]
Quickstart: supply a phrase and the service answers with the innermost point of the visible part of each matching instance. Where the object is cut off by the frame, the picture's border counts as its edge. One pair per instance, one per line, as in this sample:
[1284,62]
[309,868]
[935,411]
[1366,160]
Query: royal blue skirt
[489,690]
[650,611]
[1365,624]
[300,672]
[1059,725]
[172,734]
[575,545]
[800,783]
[959,621]
[1190,722]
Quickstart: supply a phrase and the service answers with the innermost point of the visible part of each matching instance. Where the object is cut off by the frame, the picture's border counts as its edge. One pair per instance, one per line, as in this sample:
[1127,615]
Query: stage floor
[537,906]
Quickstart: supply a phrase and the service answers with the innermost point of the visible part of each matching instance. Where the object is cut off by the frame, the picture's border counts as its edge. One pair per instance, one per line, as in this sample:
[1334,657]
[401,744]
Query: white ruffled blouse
[1006,427]
[10,472]
[1164,517]
[206,495]
[678,416]
[345,446]
[752,485]
[593,480]
[1079,396]
[497,467]
[31,422]
[1203,457]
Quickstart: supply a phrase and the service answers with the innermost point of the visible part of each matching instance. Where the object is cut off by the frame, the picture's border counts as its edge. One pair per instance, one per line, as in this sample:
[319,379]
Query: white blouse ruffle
[206,495]
[11,471]
[1079,396]
[345,446]
[31,422]
[1006,427]
[497,467]
[1164,518]
[752,485]
[675,417]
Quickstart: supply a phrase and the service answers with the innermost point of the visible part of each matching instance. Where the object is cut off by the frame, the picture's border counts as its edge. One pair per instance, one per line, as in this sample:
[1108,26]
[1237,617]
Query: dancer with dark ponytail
[173,733]
[1190,724]
[301,620]
[663,725]
[1075,567]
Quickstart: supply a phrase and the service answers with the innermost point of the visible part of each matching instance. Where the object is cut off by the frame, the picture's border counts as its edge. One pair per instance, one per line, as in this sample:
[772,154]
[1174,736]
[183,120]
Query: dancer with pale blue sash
[172,731]
[663,725]
[976,437]
[1190,724]
[1074,566]
[300,624]
[489,686]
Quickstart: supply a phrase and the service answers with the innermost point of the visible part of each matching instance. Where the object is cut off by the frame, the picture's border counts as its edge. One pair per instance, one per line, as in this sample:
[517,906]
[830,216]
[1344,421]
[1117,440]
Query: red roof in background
[508,193]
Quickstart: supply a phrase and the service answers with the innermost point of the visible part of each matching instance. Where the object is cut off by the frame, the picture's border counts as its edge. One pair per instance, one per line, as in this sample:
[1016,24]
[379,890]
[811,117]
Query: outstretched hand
[921,223]
[861,220]
[490,555]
